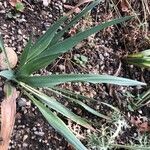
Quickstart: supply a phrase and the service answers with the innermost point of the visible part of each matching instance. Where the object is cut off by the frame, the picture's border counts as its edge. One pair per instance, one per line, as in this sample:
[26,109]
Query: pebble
[22,102]
[39,133]
[2,11]
[34,128]
[28,104]
[19,31]
[24,144]
[25,137]
[61,67]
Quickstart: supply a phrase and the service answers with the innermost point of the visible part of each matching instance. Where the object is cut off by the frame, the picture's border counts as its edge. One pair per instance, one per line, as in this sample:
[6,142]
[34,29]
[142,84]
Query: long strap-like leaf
[58,125]
[73,21]
[35,65]
[75,100]
[25,53]
[42,43]
[83,98]
[66,45]
[52,80]
[55,105]
[8,74]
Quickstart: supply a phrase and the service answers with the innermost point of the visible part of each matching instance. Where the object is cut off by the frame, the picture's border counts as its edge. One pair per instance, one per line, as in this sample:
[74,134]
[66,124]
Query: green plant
[80,59]
[43,52]
[19,6]
[141,59]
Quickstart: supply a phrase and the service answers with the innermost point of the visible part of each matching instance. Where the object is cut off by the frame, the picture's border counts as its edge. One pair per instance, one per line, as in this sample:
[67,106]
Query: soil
[104,52]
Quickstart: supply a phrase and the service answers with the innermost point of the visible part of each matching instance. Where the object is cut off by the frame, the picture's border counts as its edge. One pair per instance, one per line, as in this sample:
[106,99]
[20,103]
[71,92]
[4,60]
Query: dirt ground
[103,53]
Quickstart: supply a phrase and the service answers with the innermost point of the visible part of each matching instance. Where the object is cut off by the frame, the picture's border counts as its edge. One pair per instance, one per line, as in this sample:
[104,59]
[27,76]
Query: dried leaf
[8,111]
[14,2]
[141,123]
[12,58]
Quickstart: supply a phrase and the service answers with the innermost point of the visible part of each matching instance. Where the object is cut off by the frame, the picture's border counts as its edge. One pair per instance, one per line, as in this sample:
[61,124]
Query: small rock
[25,137]
[25,145]
[22,102]
[61,67]
[28,103]
[39,133]
[19,32]
[46,2]
[34,128]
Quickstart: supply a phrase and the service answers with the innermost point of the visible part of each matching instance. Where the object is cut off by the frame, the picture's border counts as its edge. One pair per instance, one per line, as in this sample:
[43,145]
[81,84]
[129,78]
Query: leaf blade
[55,105]
[141,59]
[59,125]
[73,21]
[35,65]
[81,97]
[52,80]
[24,55]
[75,100]
[42,43]
[8,74]
[67,44]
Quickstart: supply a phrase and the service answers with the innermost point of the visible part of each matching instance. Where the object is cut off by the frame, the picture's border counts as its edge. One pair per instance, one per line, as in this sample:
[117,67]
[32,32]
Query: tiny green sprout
[80,59]
[19,6]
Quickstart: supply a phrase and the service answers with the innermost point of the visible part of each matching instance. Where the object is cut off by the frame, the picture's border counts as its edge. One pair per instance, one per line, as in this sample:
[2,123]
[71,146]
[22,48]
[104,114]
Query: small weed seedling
[80,59]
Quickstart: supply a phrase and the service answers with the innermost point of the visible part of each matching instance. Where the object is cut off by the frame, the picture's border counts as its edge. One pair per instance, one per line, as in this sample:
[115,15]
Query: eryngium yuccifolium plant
[43,52]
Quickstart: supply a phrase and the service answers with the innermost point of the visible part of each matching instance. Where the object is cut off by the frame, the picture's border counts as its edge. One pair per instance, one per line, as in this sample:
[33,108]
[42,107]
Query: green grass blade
[1,44]
[8,74]
[55,105]
[58,125]
[81,97]
[24,55]
[52,80]
[86,107]
[73,21]
[42,43]
[64,46]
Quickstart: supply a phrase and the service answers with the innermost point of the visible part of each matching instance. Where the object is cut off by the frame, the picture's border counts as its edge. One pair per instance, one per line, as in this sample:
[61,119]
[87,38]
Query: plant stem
[143,99]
